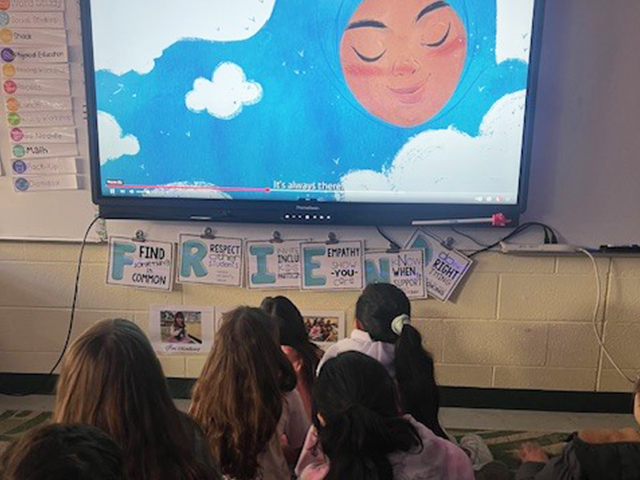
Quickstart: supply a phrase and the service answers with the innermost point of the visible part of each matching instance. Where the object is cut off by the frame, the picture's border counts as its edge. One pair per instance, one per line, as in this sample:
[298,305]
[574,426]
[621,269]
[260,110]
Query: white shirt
[360,341]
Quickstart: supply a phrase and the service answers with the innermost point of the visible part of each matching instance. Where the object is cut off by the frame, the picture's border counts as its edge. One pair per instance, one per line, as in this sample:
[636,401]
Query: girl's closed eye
[369,59]
[436,38]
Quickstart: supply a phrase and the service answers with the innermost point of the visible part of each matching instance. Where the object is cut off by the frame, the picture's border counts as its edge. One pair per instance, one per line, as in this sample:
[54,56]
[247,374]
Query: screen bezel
[301,212]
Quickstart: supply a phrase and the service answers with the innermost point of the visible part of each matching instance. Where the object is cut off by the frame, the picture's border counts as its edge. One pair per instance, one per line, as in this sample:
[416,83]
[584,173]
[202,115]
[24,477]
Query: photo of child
[181,329]
[181,326]
[324,327]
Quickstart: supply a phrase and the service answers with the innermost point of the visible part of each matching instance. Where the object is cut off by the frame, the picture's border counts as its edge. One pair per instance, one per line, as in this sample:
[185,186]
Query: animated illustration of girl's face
[403,59]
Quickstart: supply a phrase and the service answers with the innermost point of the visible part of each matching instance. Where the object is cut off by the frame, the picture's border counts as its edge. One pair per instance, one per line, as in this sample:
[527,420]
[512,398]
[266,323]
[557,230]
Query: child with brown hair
[246,402]
[112,379]
[62,452]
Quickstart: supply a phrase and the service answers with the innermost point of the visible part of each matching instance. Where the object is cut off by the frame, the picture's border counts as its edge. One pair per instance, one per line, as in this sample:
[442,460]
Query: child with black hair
[63,452]
[384,332]
[595,454]
[359,434]
[303,354]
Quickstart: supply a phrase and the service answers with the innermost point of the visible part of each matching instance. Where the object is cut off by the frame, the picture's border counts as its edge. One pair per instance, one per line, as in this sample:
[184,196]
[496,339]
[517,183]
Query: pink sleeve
[438,458]
[313,464]
[297,422]
[457,464]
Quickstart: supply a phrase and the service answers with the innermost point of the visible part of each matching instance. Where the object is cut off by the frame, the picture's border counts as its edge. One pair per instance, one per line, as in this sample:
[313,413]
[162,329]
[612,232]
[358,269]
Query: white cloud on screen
[445,161]
[145,28]
[113,142]
[226,94]
[513,41]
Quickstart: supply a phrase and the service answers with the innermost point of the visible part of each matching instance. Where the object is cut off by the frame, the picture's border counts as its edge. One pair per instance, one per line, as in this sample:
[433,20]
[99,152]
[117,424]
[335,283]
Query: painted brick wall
[519,322]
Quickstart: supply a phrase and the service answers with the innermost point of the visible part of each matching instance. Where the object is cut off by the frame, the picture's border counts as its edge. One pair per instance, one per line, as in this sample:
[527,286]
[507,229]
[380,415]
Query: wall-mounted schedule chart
[37,96]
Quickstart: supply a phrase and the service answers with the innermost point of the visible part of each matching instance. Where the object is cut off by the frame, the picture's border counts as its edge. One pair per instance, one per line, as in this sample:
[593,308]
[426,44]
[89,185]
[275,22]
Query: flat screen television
[374,112]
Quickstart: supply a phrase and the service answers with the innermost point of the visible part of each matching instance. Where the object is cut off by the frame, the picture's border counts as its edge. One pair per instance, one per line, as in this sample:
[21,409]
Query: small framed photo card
[181,329]
[325,328]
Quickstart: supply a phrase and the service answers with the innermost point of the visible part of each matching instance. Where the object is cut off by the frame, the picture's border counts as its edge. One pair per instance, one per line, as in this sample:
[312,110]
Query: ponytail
[416,379]
[356,398]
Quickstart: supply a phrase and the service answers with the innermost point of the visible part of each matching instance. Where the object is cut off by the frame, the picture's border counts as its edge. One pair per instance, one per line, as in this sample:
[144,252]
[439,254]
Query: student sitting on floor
[112,379]
[62,452]
[593,455]
[384,332]
[245,399]
[358,433]
[303,354]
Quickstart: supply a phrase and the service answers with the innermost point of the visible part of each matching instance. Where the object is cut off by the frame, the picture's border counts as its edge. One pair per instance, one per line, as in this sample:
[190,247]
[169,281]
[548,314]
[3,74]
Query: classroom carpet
[503,444]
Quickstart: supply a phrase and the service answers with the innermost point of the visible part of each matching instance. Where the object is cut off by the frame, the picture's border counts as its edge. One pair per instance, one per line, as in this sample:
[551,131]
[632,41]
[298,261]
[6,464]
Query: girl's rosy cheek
[361,70]
[451,47]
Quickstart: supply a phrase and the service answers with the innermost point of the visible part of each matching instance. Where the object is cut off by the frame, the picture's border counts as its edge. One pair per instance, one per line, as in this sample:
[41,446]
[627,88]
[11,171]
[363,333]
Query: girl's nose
[405,67]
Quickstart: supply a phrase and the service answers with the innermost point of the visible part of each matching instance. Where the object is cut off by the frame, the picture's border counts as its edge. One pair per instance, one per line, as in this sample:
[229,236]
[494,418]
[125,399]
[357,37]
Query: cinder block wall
[518,322]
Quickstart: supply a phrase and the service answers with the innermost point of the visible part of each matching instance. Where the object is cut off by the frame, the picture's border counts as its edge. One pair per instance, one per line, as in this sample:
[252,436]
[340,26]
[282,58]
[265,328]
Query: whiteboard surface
[586,157]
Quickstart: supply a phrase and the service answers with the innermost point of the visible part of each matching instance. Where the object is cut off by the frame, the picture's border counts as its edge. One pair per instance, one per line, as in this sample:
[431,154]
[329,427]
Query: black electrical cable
[42,384]
[549,233]
[466,235]
[392,244]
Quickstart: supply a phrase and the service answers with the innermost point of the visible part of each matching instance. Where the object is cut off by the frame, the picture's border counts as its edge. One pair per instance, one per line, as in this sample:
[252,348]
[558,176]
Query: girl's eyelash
[368,59]
[439,42]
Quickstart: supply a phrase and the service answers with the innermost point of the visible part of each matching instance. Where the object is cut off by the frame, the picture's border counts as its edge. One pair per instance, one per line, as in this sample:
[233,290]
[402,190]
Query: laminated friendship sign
[273,264]
[140,264]
[337,266]
[215,261]
[444,268]
[404,269]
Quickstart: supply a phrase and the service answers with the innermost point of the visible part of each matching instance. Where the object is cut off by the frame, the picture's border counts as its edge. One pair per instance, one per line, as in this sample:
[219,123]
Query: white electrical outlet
[548,248]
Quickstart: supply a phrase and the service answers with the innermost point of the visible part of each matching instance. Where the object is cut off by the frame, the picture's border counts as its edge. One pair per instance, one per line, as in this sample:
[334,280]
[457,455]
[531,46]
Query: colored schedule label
[49,135]
[32,86]
[25,54]
[22,105]
[32,20]
[45,183]
[45,166]
[36,70]
[41,119]
[32,5]
[22,36]
[44,150]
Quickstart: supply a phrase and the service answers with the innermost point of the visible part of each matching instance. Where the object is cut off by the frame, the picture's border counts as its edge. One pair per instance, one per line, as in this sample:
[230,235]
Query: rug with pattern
[503,444]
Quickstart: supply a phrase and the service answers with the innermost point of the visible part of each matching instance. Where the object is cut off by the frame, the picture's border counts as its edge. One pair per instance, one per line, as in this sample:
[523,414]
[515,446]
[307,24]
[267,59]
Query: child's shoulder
[602,437]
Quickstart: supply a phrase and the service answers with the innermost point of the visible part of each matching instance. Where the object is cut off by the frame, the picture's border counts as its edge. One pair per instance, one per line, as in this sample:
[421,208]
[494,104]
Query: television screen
[423,104]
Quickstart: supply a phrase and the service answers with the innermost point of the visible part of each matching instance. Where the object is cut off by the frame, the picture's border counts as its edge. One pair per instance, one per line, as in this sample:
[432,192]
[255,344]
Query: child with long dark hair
[112,379]
[303,354]
[384,332]
[359,434]
[246,402]
[62,452]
